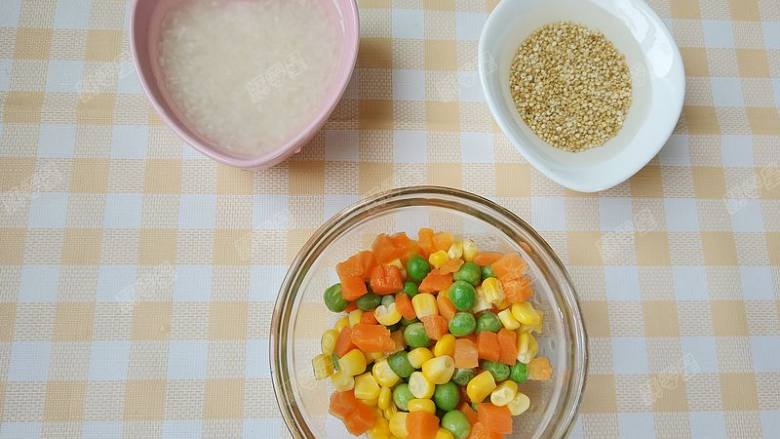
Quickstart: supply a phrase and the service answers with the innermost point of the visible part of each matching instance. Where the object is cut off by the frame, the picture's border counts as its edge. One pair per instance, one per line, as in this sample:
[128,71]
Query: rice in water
[247,74]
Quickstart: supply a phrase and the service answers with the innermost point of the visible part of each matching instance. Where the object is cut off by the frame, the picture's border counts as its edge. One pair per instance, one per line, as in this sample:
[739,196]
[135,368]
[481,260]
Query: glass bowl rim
[285,300]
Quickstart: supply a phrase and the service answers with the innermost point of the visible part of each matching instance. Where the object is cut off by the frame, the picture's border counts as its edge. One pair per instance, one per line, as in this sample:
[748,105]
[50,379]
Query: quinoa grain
[571,86]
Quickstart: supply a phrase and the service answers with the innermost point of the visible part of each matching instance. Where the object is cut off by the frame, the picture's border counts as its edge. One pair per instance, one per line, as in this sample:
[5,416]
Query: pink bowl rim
[280,153]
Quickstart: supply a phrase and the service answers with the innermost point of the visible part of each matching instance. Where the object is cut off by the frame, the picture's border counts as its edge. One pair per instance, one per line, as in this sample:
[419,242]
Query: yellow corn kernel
[420,386]
[383,374]
[342,381]
[374,356]
[526,314]
[422,405]
[380,430]
[418,356]
[354,317]
[341,324]
[323,366]
[492,290]
[519,404]
[397,264]
[444,434]
[480,387]
[385,398]
[481,304]
[398,339]
[456,250]
[504,393]
[439,370]
[370,402]
[366,387]
[397,425]
[445,346]
[527,347]
[353,362]
[387,315]
[508,320]
[424,305]
[328,341]
[470,250]
[390,411]
[437,259]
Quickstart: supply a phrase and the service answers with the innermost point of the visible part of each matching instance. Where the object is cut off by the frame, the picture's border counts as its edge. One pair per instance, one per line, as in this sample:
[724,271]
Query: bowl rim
[283,306]
[652,145]
[281,152]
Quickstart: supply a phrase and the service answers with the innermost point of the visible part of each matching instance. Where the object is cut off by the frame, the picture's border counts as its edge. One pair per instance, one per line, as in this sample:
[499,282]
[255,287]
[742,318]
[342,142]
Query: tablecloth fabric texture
[137,277]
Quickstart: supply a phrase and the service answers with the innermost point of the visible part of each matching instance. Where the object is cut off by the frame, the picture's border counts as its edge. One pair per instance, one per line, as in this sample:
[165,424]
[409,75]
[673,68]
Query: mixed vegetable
[436,342]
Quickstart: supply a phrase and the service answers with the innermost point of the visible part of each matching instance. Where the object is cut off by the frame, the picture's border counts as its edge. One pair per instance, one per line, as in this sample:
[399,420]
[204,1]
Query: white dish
[658,86]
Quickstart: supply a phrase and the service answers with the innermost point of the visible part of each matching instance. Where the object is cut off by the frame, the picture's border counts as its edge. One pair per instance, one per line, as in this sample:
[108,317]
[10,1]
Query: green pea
[388,299]
[406,322]
[400,364]
[368,301]
[456,423]
[487,271]
[519,373]
[410,288]
[415,336]
[446,396]
[469,272]
[499,371]
[488,321]
[401,396]
[462,295]
[475,406]
[417,268]
[333,298]
[463,376]
[462,324]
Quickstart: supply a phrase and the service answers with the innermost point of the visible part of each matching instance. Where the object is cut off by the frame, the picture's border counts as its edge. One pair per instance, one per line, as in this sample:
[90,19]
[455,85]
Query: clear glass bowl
[300,317]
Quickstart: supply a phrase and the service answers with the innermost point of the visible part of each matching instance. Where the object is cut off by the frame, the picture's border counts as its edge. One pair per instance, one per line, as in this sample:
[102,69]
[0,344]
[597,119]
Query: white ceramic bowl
[656,70]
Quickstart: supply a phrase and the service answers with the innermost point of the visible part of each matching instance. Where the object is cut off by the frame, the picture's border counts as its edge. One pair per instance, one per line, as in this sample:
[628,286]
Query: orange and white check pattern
[137,278]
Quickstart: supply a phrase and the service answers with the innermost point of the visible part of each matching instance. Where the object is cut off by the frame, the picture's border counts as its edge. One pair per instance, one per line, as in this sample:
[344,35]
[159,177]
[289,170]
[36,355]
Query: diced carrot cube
[435,326]
[386,279]
[359,265]
[421,425]
[443,241]
[384,249]
[488,347]
[466,355]
[495,418]
[510,266]
[486,258]
[360,420]
[507,340]
[353,287]
[470,413]
[540,369]
[368,318]
[518,290]
[342,403]
[425,241]
[435,282]
[344,342]
[451,266]
[371,338]
[446,307]
[404,305]
[479,431]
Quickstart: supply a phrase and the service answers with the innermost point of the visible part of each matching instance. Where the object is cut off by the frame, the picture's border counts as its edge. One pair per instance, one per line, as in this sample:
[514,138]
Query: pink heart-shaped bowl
[147,18]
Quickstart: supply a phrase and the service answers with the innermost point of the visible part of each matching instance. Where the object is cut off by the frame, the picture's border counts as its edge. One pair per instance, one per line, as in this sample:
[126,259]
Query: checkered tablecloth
[137,277]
